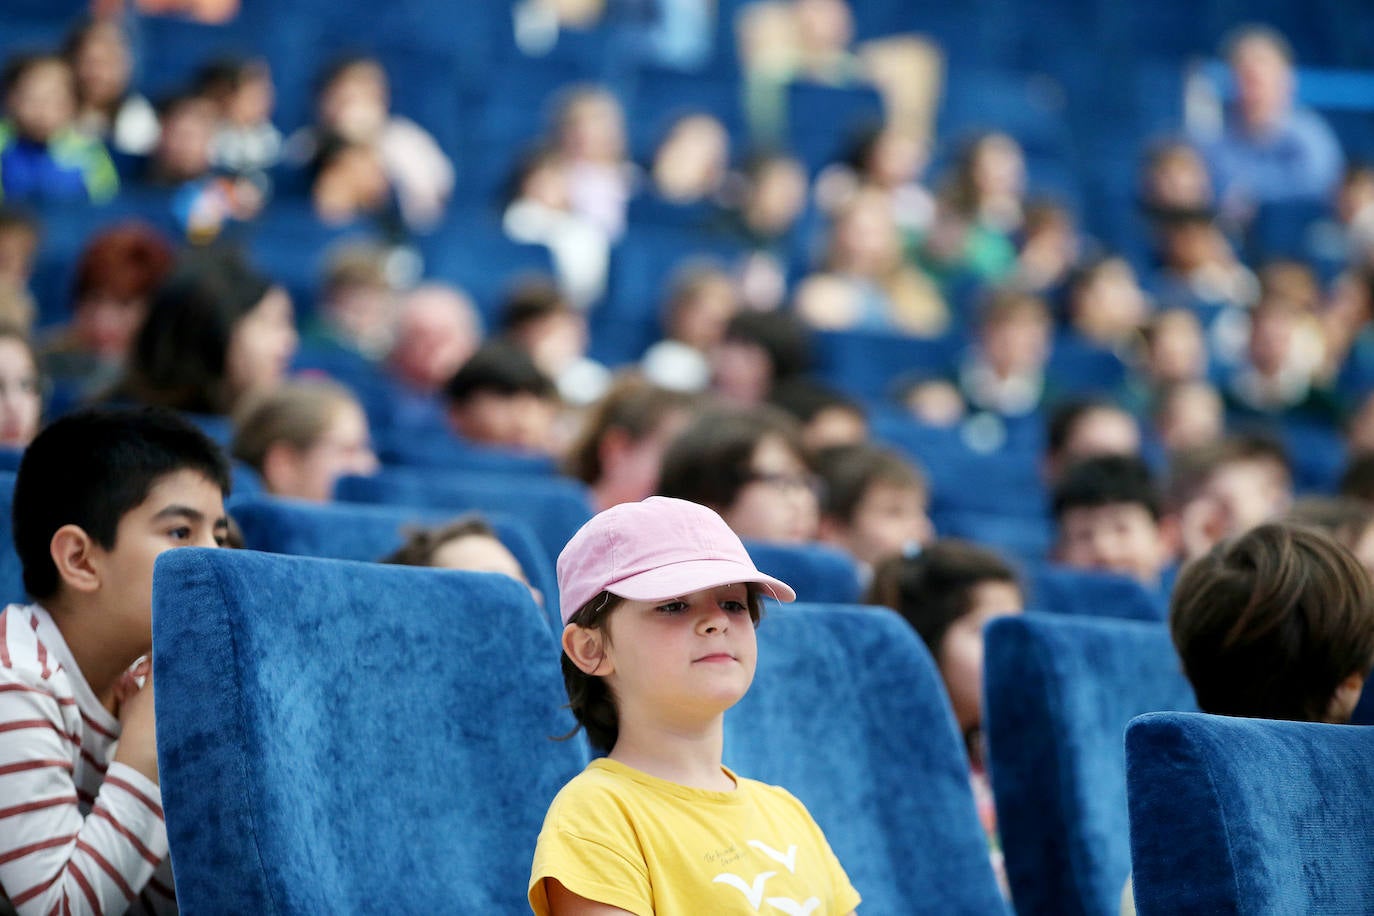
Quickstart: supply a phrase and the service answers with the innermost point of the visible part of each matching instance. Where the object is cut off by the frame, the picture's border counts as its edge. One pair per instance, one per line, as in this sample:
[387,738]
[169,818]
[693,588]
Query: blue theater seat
[816,572]
[1088,593]
[823,120]
[1058,693]
[553,507]
[1236,815]
[347,531]
[336,734]
[849,713]
[11,573]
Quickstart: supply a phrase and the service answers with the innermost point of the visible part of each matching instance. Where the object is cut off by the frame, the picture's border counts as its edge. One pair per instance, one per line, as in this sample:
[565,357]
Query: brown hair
[1269,624]
[589,696]
[711,461]
[633,404]
[849,471]
[422,543]
[934,588]
[297,413]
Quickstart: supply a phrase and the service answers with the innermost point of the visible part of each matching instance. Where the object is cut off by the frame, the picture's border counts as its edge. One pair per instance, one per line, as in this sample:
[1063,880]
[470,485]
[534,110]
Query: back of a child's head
[933,588]
[1271,623]
[90,468]
[1106,480]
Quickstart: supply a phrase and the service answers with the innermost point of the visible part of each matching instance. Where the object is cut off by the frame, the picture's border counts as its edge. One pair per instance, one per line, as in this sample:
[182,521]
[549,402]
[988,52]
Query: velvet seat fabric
[1250,816]
[848,713]
[345,737]
[817,573]
[351,531]
[554,508]
[11,573]
[1058,693]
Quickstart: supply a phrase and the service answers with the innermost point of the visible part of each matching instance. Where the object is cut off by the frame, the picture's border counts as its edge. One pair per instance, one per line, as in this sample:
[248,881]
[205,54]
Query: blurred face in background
[103,65]
[262,345]
[21,398]
[42,102]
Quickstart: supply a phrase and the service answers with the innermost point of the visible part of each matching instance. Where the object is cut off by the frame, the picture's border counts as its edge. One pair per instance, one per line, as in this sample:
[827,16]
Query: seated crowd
[1194,420]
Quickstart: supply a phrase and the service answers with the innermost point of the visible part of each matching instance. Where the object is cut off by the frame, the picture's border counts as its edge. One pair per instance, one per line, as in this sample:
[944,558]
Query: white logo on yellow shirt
[789,858]
[753,894]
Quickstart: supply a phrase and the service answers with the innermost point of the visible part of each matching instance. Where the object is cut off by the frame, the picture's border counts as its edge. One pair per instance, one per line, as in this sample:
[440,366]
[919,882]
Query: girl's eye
[735,607]
[673,607]
[180,534]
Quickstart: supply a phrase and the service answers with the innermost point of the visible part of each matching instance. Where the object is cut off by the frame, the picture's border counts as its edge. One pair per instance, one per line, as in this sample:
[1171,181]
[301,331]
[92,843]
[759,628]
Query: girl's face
[999,169]
[594,129]
[262,344]
[43,101]
[106,324]
[779,502]
[103,65]
[679,662]
[21,401]
[961,651]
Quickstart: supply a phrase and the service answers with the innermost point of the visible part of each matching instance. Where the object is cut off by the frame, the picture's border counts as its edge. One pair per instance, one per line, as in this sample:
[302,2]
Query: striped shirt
[79,833]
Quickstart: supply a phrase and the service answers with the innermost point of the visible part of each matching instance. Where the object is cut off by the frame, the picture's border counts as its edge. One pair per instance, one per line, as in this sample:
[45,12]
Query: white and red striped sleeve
[53,860]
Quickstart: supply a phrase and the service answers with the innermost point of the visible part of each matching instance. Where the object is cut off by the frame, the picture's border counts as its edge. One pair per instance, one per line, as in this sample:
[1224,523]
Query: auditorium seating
[343,734]
[1234,815]
[348,531]
[1058,693]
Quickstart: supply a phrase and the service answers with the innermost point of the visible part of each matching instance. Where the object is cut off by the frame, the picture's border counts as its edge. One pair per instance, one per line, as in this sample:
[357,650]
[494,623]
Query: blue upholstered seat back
[1059,692]
[553,507]
[848,712]
[817,573]
[340,736]
[11,573]
[348,531]
[1079,592]
[1250,816]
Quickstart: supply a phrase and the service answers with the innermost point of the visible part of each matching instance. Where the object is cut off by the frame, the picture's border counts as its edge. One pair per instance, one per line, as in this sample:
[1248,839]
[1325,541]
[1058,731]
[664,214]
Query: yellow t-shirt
[621,837]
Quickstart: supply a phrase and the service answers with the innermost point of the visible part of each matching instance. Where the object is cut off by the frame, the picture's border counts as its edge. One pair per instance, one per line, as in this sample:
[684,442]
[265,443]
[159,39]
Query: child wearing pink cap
[659,605]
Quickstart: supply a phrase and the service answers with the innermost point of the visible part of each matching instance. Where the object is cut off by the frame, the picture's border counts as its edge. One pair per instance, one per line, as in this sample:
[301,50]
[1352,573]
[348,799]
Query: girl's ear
[587,649]
[1345,699]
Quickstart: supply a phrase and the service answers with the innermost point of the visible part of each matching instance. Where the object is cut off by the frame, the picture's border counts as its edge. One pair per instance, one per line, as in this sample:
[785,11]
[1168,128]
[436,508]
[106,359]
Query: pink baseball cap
[654,550]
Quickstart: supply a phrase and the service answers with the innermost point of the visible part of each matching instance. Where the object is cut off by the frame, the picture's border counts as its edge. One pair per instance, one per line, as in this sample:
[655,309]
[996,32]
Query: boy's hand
[138,736]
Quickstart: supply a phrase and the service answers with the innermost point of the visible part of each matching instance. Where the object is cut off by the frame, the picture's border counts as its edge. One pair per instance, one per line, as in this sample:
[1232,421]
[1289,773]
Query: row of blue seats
[534,519]
[346,750]
[1059,694]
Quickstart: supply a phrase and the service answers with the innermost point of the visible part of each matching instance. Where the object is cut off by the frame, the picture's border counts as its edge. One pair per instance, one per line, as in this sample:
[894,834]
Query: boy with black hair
[501,398]
[99,494]
[1106,510]
[873,503]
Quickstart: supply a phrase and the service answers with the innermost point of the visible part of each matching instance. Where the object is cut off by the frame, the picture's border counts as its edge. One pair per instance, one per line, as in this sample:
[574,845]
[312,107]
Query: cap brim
[678,579]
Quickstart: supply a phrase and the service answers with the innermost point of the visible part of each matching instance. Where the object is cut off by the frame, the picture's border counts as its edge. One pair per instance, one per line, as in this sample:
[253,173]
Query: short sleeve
[590,847]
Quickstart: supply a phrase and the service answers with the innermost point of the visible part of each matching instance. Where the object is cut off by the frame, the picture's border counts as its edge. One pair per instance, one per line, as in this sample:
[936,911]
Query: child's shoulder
[25,658]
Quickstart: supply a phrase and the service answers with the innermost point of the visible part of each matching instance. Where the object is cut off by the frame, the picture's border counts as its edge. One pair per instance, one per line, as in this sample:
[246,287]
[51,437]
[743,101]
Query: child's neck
[101,657]
[688,757]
